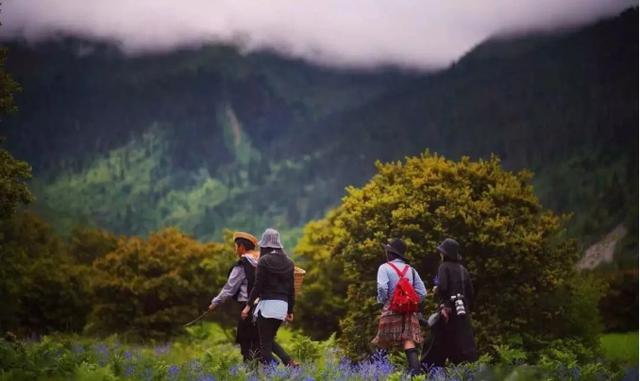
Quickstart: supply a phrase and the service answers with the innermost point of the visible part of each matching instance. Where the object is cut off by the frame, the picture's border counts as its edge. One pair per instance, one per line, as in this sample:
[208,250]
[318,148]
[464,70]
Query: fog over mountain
[358,33]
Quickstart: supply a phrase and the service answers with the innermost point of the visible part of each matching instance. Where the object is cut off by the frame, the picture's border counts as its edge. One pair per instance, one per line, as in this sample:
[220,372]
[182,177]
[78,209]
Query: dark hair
[265,250]
[391,256]
[246,243]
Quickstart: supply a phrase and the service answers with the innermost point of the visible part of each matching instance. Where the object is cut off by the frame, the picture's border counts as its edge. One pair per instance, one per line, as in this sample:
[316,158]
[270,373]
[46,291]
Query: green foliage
[151,287]
[40,287]
[8,87]
[520,263]
[87,244]
[93,372]
[187,359]
[619,305]
[322,300]
[510,356]
[620,348]
[14,175]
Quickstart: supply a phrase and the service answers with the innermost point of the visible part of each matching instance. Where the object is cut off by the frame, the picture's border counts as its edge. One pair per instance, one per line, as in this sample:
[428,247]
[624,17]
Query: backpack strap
[400,273]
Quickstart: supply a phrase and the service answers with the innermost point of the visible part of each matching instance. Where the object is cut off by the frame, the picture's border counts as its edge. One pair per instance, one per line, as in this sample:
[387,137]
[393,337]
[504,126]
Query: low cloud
[418,34]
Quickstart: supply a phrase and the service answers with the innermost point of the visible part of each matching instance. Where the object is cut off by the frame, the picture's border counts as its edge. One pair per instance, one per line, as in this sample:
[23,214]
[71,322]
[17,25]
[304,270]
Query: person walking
[399,284]
[274,286]
[239,284]
[452,333]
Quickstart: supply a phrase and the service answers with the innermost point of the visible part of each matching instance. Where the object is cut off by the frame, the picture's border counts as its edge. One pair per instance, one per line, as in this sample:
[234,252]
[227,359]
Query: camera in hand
[458,303]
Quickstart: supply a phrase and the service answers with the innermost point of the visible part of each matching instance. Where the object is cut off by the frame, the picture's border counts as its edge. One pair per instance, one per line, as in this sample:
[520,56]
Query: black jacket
[274,279]
[454,279]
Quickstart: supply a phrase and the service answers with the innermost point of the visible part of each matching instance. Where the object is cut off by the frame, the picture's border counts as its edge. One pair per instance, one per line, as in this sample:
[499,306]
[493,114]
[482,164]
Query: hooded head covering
[449,248]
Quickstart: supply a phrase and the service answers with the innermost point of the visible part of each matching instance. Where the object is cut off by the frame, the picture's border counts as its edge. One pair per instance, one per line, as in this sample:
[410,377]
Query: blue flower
[102,352]
[173,372]
[129,371]
[162,349]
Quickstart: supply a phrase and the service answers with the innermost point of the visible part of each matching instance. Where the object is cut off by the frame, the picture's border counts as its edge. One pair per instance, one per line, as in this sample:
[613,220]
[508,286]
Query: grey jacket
[236,284]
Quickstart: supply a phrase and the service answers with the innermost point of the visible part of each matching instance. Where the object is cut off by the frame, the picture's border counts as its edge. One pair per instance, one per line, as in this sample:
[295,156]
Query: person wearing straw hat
[399,329]
[239,284]
[274,286]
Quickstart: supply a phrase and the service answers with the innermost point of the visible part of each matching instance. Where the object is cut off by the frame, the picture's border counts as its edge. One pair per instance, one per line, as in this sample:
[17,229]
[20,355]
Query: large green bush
[150,288]
[522,266]
[322,301]
[41,289]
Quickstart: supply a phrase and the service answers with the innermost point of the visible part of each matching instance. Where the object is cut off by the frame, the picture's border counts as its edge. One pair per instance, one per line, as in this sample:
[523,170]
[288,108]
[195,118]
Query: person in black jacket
[452,334]
[241,279]
[274,286]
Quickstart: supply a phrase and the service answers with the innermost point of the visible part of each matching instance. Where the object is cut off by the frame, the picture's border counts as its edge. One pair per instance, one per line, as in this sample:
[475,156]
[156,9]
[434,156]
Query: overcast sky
[419,34]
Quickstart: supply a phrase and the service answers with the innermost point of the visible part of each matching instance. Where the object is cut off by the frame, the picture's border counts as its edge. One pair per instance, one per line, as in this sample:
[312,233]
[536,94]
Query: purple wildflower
[173,372]
[162,349]
[102,352]
[129,371]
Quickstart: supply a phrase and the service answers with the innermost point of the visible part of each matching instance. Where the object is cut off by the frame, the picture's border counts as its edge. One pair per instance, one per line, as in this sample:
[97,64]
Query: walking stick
[197,319]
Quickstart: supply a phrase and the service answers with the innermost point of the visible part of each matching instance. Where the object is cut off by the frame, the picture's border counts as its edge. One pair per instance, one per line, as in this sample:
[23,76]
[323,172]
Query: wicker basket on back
[298,277]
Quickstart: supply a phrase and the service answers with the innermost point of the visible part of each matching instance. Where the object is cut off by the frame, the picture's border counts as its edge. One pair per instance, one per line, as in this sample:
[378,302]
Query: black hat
[397,247]
[449,247]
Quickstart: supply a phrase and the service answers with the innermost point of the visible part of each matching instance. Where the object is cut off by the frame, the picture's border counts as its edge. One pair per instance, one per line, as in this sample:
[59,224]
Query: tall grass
[620,347]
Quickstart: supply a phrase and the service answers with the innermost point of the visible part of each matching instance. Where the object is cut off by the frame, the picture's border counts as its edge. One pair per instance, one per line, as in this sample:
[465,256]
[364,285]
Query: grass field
[620,347]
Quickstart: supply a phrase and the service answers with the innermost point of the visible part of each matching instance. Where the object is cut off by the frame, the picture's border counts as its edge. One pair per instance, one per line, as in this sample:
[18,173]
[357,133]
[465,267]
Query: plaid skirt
[394,329]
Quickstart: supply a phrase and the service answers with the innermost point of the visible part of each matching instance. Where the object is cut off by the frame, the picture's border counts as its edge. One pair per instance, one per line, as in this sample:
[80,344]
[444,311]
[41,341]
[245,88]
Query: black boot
[412,360]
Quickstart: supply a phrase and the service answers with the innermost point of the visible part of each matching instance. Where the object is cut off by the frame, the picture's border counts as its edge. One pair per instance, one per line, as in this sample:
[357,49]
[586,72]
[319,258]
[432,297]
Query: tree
[521,264]
[41,290]
[150,288]
[87,244]
[322,300]
[14,174]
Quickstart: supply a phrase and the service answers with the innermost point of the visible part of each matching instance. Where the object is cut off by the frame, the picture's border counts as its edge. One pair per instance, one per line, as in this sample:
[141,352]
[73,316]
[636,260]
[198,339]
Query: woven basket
[298,277]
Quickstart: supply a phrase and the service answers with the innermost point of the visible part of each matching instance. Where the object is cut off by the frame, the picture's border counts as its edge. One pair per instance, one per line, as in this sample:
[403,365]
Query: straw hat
[246,236]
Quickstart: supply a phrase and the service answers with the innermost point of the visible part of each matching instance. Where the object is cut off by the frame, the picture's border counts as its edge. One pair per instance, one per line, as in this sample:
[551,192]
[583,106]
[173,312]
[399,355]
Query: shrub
[520,262]
[41,290]
[322,301]
[150,288]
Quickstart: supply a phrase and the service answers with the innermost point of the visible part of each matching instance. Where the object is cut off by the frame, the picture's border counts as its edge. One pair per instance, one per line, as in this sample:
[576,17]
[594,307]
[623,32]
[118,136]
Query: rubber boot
[412,360]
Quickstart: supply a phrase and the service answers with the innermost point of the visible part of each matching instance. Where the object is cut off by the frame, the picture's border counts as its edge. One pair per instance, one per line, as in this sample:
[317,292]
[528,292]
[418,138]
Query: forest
[123,179]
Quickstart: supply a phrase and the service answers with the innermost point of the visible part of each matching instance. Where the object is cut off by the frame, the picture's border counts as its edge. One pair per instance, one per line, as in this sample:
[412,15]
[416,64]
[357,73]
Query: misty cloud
[420,34]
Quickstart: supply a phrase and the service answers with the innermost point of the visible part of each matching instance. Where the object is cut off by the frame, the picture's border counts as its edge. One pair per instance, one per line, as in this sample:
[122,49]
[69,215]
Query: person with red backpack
[400,290]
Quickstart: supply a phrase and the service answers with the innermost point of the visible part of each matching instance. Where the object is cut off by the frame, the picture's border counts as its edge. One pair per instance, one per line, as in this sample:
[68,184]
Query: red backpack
[404,299]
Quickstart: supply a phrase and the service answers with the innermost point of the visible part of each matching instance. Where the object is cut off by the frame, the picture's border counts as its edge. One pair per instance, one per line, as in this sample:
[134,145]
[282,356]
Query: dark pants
[453,340]
[248,338]
[267,330]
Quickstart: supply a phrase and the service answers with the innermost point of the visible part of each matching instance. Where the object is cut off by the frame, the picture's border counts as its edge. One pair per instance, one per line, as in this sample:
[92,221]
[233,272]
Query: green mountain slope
[209,138]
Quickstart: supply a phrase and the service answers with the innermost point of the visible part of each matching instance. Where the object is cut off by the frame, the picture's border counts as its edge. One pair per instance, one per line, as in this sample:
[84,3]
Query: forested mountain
[207,138]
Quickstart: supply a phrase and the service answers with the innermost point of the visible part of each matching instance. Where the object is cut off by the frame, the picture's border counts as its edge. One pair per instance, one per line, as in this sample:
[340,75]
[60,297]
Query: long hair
[265,250]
